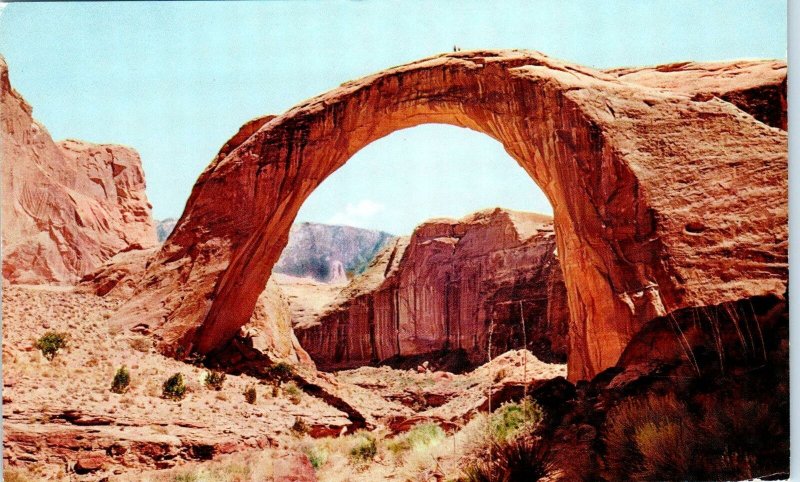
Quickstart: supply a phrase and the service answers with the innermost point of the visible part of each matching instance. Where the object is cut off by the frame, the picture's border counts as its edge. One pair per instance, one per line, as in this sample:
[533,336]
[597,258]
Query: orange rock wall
[445,288]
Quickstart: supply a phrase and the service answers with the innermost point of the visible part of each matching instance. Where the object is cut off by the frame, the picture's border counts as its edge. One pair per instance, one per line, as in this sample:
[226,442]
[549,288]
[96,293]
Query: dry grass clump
[293,392]
[250,395]
[662,438]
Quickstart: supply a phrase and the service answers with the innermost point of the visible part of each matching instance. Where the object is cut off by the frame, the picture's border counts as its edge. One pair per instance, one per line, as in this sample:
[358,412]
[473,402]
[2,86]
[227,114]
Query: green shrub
[365,448]
[318,456]
[174,388]
[121,380]
[250,395]
[215,380]
[280,372]
[51,342]
[420,438]
[514,418]
[294,393]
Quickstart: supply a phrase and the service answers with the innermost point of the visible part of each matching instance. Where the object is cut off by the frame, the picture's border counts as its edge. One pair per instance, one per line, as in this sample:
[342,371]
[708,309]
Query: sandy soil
[60,416]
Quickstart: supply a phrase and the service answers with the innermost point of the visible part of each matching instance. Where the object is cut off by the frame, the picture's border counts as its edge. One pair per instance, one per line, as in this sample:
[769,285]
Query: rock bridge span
[663,198]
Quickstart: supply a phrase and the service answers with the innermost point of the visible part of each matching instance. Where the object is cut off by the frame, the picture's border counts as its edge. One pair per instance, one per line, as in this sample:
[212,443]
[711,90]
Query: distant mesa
[323,252]
[164,228]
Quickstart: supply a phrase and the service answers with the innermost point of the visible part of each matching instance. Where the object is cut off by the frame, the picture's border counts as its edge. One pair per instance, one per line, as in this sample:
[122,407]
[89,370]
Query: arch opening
[472,251]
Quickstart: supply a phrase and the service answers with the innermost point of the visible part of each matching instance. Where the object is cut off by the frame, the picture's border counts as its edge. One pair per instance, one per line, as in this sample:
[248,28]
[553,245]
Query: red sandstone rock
[445,288]
[757,87]
[662,200]
[90,463]
[270,327]
[66,207]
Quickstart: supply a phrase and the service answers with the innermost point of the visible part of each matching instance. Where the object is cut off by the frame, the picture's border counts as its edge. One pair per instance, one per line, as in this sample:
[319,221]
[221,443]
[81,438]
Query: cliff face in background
[66,207]
[445,288]
[325,252]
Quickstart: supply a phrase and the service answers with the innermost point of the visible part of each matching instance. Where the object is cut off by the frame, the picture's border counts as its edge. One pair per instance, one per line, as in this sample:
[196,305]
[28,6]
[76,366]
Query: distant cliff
[446,288]
[323,252]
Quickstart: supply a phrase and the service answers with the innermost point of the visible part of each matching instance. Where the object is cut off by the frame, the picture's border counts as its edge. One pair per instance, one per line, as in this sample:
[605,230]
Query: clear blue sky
[176,80]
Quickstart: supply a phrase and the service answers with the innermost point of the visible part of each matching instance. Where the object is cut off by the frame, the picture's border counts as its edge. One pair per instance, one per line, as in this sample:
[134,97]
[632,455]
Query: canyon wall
[66,207]
[662,199]
[445,288]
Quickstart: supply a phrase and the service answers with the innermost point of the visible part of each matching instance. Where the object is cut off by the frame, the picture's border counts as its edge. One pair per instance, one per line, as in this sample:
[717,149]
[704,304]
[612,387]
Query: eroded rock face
[757,87]
[445,288]
[67,206]
[662,199]
[269,330]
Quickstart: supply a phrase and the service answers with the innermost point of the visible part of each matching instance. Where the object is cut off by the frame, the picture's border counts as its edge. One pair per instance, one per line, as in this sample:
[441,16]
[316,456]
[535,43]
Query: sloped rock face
[757,87]
[446,288]
[67,207]
[269,330]
[662,200]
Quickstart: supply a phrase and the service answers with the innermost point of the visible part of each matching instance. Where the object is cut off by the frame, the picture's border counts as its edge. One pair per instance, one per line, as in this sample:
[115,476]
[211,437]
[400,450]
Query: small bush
[215,380]
[318,456]
[522,459]
[51,342]
[250,395]
[294,393]
[365,448]
[418,439]
[280,372]
[121,380]
[174,388]
[300,427]
[513,418]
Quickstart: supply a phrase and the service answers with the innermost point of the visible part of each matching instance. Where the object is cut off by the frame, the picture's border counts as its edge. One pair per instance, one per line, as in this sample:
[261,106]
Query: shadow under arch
[631,173]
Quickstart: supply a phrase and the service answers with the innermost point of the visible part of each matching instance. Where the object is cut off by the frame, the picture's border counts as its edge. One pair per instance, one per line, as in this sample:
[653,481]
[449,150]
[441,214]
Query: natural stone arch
[642,182]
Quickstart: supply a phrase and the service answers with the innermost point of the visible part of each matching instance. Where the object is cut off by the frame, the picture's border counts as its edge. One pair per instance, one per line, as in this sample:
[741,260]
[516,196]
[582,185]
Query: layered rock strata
[447,287]
[69,206]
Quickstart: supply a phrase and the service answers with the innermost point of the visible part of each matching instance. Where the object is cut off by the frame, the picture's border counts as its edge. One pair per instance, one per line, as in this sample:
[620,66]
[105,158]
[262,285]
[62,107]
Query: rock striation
[662,199]
[446,287]
[68,206]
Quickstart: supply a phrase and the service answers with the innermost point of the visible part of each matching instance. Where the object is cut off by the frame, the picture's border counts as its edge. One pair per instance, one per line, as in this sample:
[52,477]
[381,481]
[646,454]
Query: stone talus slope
[661,199]
[68,206]
[442,288]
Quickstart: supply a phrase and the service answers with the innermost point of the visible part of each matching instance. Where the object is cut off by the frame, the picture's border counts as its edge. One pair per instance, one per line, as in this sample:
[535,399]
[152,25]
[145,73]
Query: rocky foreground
[62,420]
